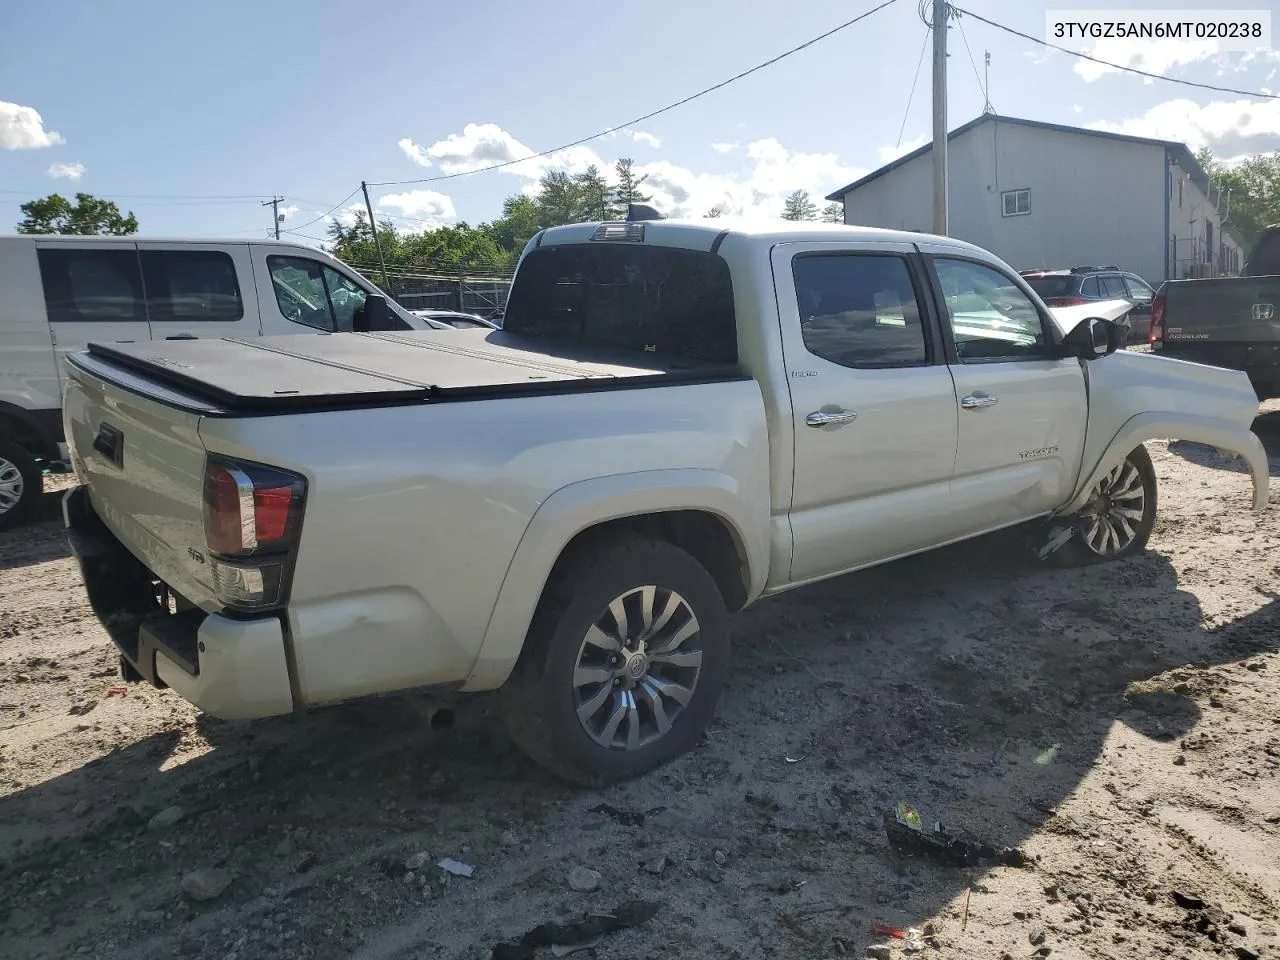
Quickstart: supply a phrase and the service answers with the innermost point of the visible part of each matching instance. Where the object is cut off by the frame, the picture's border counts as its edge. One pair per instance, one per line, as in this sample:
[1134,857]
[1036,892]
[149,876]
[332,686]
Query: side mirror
[374,316]
[1092,338]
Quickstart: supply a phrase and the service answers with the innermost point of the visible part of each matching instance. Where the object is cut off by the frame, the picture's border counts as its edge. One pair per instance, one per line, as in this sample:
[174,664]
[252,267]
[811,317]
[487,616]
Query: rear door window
[662,300]
[859,310]
[102,286]
[1113,287]
[191,285]
[1138,289]
[1090,288]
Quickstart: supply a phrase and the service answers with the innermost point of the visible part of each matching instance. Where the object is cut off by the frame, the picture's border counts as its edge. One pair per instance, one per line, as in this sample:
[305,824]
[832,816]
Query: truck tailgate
[144,465]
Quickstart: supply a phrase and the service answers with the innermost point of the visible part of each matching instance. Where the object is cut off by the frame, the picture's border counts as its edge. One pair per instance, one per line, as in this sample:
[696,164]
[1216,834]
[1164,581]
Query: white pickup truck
[676,420]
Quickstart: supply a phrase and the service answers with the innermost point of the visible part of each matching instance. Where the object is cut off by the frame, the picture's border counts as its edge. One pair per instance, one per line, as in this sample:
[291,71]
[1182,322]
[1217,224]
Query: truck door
[91,293]
[197,291]
[1022,414]
[872,403]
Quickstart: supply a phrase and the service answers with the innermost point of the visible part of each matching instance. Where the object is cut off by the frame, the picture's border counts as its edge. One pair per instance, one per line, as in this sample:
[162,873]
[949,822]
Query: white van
[57,293]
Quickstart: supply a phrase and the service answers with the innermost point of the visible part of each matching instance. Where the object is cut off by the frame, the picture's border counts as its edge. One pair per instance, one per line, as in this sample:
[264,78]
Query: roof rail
[1093,269]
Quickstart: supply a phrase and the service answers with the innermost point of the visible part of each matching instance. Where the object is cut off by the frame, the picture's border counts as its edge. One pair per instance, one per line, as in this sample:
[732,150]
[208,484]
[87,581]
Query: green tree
[627,189]
[800,206]
[521,219]
[87,216]
[594,195]
[1250,192]
[715,212]
[833,213]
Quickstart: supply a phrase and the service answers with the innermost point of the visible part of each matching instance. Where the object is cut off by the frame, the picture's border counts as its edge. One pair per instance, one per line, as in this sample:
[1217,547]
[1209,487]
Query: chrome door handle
[977,401]
[821,418]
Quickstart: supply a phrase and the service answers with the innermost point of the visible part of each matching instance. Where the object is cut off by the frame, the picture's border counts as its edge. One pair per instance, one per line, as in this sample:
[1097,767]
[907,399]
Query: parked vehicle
[457,319]
[678,419]
[60,292]
[1231,322]
[1080,285]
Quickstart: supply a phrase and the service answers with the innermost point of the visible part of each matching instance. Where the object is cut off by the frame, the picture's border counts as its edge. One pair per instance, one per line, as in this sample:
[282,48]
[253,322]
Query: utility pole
[373,225]
[940,12]
[274,204]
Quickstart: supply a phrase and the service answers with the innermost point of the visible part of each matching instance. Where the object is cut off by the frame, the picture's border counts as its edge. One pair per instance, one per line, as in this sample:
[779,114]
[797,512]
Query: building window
[1015,203]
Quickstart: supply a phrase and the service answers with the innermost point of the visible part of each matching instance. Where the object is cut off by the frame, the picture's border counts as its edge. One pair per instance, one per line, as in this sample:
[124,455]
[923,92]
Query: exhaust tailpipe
[438,715]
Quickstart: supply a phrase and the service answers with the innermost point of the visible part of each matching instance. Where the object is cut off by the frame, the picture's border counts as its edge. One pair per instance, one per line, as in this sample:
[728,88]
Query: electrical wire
[982,87]
[1116,66]
[911,96]
[303,226]
[648,116]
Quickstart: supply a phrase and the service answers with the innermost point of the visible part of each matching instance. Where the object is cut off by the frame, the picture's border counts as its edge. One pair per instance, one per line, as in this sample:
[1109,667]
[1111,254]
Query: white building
[1043,195]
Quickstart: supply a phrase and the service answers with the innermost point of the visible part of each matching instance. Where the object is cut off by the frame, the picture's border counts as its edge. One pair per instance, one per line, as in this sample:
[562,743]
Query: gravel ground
[1117,724]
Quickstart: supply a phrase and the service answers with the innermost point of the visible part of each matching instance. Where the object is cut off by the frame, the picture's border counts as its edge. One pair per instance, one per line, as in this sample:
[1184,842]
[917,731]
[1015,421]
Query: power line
[322,216]
[647,116]
[1116,66]
[911,96]
[986,99]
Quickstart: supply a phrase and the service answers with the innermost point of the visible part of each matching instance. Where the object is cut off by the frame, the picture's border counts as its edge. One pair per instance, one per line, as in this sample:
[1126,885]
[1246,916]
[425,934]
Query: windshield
[663,300]
[1052,285]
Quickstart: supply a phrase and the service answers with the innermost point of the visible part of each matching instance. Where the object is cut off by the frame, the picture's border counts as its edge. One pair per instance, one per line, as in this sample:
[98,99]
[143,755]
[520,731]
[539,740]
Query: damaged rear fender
[1214,431]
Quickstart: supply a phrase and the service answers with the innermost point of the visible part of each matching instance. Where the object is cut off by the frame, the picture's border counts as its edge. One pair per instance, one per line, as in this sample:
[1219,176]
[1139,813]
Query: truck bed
[1231,322]
[309,372]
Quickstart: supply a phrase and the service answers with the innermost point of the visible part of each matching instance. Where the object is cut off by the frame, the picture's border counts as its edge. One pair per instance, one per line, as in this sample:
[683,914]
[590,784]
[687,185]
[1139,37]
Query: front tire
[1119,517]
[623,663]
[21,483]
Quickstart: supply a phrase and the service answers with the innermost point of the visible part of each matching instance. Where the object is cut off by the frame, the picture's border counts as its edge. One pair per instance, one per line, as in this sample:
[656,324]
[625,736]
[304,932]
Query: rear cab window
[668,301]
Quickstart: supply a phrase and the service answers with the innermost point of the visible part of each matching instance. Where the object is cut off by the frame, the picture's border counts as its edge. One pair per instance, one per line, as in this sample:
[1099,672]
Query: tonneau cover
[302,371]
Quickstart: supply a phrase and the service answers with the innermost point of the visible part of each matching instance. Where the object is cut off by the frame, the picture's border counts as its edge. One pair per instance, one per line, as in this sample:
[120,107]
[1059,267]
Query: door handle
[978,401]
[823,418]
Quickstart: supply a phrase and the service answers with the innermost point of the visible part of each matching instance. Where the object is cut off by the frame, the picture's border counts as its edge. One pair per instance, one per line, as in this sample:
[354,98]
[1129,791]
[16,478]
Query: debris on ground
[166,818]
[909,838]
[583,879]
[628,818]
[657,866]
[456,867]
[580,933]
[205,885]
[416,861]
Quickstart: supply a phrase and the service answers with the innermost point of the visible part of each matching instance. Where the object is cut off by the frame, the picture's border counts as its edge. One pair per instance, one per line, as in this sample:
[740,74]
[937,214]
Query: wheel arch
[26,429]
[1144,427]
[703,512]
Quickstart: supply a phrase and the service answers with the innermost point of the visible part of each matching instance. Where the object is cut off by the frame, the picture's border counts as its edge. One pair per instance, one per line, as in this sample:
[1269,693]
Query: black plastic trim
[715,244]
[153,386]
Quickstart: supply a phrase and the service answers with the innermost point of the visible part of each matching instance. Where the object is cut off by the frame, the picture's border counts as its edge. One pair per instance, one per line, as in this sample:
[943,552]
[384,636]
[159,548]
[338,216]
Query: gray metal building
[1045,195]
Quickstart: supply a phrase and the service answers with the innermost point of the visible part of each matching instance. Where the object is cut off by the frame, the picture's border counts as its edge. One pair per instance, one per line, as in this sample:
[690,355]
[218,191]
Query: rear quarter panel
[414,513]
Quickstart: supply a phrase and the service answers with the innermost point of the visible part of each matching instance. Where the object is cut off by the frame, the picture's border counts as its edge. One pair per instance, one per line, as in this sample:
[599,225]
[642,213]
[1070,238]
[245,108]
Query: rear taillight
[1065,301]
[1155,337]
[252,517]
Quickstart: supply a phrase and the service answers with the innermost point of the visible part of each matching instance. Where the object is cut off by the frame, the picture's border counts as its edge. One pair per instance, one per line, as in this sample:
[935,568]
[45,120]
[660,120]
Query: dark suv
[1069,288]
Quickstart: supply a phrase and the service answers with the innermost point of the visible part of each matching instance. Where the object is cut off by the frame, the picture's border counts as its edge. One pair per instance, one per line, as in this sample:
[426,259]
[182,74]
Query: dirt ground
[1117,723]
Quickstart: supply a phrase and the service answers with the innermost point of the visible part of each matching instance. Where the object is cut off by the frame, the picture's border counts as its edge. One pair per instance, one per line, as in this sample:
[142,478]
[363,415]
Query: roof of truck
[709,233]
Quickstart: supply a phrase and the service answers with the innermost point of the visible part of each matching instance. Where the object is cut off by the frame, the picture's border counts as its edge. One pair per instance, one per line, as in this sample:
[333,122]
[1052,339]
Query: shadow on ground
[944,680]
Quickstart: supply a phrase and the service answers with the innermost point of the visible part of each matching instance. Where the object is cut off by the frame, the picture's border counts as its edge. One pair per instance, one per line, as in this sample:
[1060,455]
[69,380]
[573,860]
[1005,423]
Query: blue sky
[188,113]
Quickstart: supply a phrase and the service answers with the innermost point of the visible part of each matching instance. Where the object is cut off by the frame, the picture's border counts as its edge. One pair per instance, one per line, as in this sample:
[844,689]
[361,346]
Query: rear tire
[623,663]
[1119,518]
[21,483]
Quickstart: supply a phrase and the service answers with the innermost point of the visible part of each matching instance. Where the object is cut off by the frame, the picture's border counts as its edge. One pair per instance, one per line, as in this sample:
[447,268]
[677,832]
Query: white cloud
[725,147]
[289,212]
[1076,108]
[347,216]
[433,208]
[1231,128]
[890,154]
[648,139]
[66,171]
[482,145]
[759,192]
[22,128]
[770,172]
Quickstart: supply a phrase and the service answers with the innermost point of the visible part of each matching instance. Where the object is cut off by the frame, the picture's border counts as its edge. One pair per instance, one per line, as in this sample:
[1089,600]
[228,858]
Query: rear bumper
[231,669]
